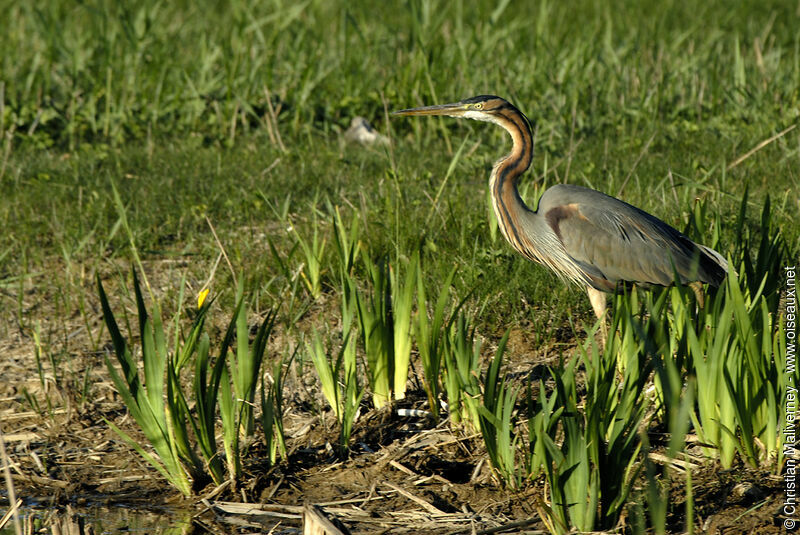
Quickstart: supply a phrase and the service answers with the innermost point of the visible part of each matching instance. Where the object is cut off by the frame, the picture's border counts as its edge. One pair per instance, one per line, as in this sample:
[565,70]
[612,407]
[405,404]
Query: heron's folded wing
[622,243]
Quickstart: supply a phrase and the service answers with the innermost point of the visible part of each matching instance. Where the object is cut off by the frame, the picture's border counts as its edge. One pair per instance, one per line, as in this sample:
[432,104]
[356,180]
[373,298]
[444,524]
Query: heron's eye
[478,105]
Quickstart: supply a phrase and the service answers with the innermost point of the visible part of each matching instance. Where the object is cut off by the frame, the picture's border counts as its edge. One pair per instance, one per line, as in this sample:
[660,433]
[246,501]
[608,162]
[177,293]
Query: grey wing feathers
[718,258]
[614,242]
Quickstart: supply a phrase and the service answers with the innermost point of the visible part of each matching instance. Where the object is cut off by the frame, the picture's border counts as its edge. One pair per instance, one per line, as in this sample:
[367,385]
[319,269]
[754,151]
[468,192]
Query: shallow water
[101,519]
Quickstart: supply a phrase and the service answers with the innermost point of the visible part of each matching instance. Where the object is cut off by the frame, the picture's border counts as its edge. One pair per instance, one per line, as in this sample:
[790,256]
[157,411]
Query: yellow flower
[201,298]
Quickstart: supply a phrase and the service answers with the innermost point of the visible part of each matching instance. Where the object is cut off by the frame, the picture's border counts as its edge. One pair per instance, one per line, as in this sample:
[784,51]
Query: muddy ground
[405,474]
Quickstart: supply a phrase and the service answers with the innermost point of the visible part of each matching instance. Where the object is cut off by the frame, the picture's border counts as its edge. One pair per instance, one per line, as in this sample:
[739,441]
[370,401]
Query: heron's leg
[697,288]
[598,300]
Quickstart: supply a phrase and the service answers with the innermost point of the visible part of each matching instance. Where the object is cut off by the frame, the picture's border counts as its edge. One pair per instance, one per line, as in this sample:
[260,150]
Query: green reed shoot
[347,400]
[245,367]
[614,411]
[762,379]
[272,410]
[430,335]
[202,425]
[590,474]
[145,398]
[328,373]
[402,312]
[736,355]
[205,395]
[347,244]
[347,249]
[376,326]
[292,306]
[353,393]
[655,494]
[651,508]
[340,385]
[572,482]
[543,417]
[313,251]
[462,357]
[165,417]
[497,419]
[242,372]
[43,380]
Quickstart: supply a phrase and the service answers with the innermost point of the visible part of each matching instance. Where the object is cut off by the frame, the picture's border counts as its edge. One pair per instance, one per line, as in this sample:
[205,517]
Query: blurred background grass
[224,110]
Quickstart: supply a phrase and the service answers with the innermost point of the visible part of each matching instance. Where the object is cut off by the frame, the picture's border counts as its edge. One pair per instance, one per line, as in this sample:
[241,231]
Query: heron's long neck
[525,230]
[508,206]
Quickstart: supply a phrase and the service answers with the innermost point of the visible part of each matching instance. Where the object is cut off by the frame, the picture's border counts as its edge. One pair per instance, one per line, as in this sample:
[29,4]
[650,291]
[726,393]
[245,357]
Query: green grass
[231,114]
[641,101]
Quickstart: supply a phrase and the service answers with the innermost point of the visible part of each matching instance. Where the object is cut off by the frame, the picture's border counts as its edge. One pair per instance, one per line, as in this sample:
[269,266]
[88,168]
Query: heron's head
[481,108]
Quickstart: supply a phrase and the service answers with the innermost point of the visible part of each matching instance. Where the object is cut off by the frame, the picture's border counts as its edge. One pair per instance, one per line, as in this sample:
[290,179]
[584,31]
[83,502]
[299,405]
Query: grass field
[224,117]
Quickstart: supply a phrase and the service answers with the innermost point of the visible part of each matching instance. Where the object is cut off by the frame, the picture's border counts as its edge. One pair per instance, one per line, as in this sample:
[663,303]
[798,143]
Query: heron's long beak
[455,109]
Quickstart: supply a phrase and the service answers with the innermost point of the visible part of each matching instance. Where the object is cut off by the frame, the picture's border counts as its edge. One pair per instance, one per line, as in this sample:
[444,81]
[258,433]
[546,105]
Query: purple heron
[584,236]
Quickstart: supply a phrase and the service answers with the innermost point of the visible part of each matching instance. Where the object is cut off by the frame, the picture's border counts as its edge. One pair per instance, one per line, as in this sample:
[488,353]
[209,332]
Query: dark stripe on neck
[508,169]
[511,166]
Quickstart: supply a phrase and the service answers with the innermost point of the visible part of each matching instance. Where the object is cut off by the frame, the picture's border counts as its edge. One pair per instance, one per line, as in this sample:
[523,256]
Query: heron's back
[613,242]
